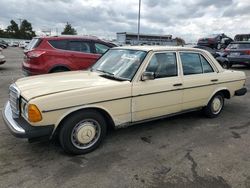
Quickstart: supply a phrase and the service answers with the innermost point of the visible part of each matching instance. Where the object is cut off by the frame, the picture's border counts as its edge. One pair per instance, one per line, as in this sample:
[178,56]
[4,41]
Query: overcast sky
[189,19]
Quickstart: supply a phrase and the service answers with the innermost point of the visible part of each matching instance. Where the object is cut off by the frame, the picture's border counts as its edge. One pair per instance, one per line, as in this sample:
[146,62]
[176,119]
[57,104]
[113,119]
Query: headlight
[30,112]
[24,108]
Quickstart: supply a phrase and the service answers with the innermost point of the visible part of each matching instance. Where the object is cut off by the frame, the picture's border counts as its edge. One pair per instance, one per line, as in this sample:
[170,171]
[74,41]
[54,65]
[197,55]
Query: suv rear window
[59,44]
[239,46]
[34,43]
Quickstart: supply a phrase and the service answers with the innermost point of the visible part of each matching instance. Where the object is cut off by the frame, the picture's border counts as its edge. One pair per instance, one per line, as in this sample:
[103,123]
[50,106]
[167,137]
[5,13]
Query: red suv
[64,53]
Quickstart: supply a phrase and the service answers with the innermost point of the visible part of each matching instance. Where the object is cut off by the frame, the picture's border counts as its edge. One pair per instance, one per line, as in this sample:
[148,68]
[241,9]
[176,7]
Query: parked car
[2,58]
[4,42]
[127,85]
[238,53]
[23,44]
[218,55]
[64,53]
[242,37]
[3,45]
[14,44]
[215,41]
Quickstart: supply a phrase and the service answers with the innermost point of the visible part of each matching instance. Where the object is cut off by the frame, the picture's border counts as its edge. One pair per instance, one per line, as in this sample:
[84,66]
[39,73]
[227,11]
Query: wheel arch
[58,67]
[226,93]
[108,118]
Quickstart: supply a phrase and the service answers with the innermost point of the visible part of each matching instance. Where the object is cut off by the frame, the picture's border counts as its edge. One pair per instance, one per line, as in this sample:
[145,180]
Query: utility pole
[139,17]
[20,21]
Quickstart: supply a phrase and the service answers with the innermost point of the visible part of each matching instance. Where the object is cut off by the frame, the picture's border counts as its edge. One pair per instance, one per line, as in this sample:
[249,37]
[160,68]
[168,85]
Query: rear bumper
[239,60]
[22,129]
[241,91]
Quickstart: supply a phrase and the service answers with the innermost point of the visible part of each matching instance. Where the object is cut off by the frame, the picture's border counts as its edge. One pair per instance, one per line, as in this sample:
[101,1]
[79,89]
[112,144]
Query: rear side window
[100,48]
[79,46]
[59,44]
[193,63]
[34,43]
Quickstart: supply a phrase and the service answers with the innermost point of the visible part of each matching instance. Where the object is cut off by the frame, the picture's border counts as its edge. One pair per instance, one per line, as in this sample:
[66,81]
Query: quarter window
[100,48]
[163,65]
[193,63]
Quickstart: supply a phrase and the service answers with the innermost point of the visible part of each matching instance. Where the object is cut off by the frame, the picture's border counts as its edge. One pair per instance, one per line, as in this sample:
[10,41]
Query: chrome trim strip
[10,122]
[140,95]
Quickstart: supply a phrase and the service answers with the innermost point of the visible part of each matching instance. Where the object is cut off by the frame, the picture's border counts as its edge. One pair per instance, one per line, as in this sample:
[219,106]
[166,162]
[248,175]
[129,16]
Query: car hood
[36,86]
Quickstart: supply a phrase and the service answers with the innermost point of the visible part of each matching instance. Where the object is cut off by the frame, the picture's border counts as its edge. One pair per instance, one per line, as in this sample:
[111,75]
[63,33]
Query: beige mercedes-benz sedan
[127,85]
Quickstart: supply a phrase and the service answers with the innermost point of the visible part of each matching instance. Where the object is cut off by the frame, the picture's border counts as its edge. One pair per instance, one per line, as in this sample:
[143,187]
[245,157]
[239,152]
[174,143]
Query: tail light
[247,52]
[34,54]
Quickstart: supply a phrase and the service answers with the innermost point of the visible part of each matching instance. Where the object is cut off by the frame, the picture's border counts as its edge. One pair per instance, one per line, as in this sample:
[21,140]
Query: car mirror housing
[148,76]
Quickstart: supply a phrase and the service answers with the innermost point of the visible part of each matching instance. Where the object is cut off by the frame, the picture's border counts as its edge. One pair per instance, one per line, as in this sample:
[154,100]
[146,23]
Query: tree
[69,30]
[26,31]
[12,30]
[23,32]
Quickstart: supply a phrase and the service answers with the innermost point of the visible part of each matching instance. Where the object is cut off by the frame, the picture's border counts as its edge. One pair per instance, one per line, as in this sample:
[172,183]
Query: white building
[144,39]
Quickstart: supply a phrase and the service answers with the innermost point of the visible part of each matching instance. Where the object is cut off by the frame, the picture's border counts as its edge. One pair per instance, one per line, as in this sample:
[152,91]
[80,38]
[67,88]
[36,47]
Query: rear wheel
[82,132]
[225,65]
[215,105]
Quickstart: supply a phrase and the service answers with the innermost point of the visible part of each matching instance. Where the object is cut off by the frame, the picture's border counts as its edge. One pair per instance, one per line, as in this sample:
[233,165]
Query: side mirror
[148,76]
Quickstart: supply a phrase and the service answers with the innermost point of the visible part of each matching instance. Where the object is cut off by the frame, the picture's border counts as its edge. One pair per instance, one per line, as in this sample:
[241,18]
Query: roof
[143,34]
[70,37]
[158,48]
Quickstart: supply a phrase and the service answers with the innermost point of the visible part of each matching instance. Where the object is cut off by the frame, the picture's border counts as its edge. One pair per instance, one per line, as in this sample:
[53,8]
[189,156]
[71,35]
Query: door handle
[214,80]
[178,84]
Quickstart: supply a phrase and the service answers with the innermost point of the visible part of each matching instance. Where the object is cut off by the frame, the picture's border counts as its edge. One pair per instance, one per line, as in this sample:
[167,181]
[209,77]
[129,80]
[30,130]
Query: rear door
[199,77]
[81,54]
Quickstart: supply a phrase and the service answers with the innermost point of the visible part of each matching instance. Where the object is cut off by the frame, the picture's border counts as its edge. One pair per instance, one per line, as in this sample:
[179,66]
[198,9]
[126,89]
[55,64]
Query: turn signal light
[34,114]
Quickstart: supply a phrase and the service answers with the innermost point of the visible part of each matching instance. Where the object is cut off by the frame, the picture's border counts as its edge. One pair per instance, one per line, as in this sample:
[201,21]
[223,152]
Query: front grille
[14,96]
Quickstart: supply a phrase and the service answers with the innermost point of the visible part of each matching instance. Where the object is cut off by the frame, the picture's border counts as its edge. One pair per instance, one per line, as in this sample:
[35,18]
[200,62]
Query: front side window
[100,48]
[79,46]
[163,65]
[194,63]
[120,64]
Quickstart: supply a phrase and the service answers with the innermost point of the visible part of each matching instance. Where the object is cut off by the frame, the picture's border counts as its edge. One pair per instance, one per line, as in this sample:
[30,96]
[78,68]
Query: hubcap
[85,134]
[217,105]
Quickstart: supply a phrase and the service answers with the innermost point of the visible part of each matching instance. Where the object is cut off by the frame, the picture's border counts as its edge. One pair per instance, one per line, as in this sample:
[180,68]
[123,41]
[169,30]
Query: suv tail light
[247,52]
[34,54]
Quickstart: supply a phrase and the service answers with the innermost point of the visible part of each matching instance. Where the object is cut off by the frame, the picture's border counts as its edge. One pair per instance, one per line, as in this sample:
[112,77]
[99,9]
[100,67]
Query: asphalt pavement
[188,150]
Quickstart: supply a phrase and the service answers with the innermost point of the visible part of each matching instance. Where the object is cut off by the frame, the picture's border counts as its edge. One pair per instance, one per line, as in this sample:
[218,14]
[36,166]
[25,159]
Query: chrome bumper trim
[14,127]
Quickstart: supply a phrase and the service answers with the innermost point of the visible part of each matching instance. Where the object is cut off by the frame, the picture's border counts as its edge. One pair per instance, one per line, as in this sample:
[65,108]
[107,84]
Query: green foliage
[69,30]
[13,31]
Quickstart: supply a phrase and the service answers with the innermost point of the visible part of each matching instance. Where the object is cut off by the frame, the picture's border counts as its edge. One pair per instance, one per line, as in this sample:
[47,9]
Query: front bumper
[22,129]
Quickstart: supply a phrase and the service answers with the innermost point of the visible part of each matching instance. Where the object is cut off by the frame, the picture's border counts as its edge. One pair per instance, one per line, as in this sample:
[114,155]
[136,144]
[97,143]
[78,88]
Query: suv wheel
[82,132]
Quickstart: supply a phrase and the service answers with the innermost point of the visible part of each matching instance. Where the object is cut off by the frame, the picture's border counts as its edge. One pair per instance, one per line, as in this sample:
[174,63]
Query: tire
[82,132]
[225,65]
[214,106]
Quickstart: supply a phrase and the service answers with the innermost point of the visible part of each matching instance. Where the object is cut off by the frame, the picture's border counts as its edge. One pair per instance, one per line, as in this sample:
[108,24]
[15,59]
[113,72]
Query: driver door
[161,95]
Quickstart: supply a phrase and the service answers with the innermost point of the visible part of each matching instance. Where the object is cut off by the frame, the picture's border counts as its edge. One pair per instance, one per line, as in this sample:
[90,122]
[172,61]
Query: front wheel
[82,132]
[214,106]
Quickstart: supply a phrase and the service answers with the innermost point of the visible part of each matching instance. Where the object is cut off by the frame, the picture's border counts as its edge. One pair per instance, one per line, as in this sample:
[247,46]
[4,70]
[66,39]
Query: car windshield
[120,64]
[239,46]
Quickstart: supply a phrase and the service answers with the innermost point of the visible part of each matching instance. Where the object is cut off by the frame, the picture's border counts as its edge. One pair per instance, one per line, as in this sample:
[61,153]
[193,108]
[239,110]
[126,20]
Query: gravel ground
[188,150]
